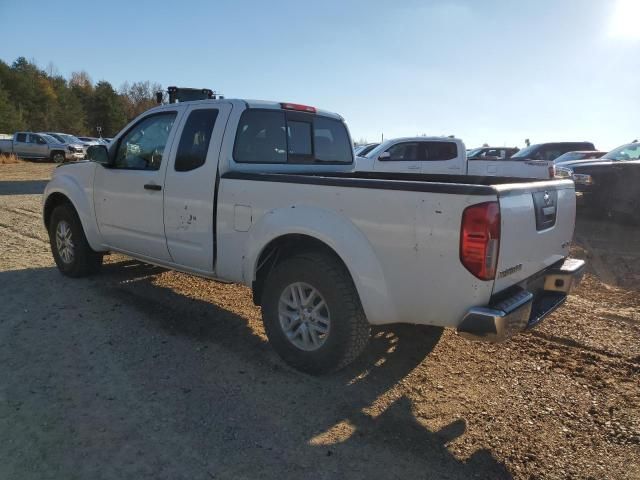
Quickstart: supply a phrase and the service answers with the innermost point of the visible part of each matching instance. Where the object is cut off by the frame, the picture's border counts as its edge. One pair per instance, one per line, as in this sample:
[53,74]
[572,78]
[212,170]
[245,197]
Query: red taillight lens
[480,239]
[298,107]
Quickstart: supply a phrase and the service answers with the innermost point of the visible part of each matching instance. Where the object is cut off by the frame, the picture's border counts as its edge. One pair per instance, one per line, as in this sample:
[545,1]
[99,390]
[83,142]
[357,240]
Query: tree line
[33,99]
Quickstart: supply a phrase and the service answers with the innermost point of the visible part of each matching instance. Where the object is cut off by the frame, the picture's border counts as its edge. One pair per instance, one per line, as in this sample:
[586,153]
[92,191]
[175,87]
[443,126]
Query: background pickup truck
[39,146]
[262,193]
[444,155]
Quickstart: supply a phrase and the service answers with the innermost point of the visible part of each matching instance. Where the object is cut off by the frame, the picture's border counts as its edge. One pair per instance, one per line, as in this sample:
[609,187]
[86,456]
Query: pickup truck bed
[407,292]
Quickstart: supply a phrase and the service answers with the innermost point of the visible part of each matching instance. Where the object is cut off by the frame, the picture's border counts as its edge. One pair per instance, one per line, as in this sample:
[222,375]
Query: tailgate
[537,222]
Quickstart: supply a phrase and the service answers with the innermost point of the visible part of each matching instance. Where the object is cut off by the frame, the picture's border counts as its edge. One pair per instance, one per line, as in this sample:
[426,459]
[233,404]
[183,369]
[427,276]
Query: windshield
[366,149]
[624,153]
[48,138]
[567,157]
[474,152]
[525,152]
[69,138]
[57,137]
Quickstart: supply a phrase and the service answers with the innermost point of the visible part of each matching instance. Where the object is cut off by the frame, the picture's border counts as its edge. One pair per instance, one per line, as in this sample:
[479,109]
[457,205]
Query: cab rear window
[276,136]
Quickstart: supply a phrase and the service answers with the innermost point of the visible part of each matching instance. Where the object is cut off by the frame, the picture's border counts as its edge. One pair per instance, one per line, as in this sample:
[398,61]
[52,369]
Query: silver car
[74,144]
[39,146]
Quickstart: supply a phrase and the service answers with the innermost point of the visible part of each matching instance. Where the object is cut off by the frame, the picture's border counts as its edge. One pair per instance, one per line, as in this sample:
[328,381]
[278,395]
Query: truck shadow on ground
[22,187]
[231,403]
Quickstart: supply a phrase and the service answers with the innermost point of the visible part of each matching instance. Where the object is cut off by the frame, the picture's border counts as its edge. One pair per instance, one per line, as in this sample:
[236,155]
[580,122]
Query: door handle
[413,167]
[152,186]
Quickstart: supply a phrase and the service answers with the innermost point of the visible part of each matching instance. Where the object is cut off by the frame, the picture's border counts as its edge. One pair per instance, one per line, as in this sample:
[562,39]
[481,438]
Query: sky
[494,71]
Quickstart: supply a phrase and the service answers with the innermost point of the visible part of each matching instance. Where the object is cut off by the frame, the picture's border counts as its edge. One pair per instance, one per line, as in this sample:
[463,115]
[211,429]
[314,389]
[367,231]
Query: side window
[142,147]
[195,138]
[438,151]
[21,137]
[404,152]
[37,139]
[261,137]
[331,141]
[492,153]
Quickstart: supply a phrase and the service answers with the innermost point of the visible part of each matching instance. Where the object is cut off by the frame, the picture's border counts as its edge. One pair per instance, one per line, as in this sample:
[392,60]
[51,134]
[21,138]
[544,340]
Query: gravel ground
[143,373]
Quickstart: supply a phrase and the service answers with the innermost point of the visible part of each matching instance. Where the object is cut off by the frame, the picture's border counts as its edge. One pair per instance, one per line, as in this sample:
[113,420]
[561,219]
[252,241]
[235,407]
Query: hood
[66,164]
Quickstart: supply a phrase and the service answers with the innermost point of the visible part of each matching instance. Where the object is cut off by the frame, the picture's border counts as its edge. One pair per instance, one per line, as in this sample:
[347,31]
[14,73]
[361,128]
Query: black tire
[349,330]
[57,157]
[84,260]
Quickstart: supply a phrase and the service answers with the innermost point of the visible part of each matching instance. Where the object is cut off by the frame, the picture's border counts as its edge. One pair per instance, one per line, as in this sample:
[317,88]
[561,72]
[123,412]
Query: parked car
[89,141]
[362,150]
[262,193]
[551,151]
[584,155]
[39,146]
[444,155]
[609,185]
[73,143]
[491,153]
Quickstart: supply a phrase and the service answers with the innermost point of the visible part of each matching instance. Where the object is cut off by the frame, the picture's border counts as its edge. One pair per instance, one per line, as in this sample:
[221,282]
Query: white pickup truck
[448,156]
[262,193]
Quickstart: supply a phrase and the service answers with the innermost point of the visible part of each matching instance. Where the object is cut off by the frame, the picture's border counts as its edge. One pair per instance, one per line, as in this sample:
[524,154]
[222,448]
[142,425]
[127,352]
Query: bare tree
[52,70]
[80,79]
[139,96]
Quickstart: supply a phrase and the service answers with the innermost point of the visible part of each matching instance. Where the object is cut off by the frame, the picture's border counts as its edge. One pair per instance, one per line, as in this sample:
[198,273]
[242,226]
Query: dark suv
[609,185]
[551,151]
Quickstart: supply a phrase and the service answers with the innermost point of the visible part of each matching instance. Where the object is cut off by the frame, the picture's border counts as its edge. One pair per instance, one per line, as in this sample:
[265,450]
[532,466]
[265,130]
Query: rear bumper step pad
[523,309]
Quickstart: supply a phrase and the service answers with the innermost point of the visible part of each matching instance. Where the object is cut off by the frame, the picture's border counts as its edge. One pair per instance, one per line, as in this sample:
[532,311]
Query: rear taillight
[298,107]
[552,171]
[480,239]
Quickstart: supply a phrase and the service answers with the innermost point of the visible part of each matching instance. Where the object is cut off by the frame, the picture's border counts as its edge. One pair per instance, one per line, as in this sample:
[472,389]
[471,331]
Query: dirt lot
[143,373]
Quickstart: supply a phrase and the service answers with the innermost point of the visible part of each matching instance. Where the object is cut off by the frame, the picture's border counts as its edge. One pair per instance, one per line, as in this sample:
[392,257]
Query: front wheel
[71,251]
[57,157]
[312,313]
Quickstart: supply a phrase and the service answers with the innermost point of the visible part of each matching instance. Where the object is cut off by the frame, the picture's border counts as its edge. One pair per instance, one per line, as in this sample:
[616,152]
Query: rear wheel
[71,251]
[312,313]
[57,157]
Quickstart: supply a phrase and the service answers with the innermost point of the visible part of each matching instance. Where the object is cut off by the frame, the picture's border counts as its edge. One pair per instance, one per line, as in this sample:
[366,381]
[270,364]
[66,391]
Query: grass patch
[10,158]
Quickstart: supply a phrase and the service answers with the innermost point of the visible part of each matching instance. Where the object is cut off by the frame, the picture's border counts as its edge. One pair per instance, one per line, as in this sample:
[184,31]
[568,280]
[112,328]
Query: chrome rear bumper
[522,309]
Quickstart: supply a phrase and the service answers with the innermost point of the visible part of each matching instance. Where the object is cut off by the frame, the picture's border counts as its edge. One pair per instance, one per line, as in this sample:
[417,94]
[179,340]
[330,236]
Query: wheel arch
[283,233]
[65,190]
[54,200]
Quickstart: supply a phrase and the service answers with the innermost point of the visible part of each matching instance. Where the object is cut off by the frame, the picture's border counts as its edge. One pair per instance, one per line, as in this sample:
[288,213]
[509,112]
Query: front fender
[75,181]
[341,235]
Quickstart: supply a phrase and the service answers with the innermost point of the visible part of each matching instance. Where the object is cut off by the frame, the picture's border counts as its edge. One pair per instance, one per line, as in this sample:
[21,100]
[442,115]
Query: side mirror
[99,154]
[384,156]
